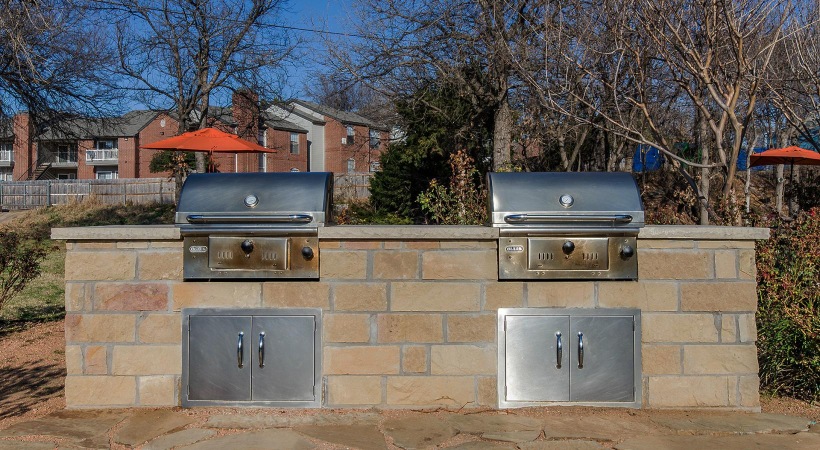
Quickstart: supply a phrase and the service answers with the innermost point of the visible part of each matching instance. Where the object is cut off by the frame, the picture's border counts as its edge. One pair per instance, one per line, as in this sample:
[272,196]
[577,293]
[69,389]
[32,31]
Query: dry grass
[42,299]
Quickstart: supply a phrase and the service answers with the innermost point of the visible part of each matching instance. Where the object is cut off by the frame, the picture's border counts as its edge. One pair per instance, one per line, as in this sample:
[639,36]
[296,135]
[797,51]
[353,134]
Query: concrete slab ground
[525,429]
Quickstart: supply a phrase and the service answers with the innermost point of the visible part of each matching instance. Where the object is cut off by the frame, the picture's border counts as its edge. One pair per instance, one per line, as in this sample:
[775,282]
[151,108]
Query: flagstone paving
[570,444]
[735,423]
[178,439]
[146,425]
[533,429]
[418,432]
[365,437]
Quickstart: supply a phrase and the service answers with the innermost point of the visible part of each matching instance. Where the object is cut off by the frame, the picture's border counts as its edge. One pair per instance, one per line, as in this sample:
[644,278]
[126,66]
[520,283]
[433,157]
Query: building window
[66,176]
[6,174]
[106,144]
[294,143]
[66,154]
[351,165]
[375,166]
[374,138]
[107,174]
[351,132]
[6,152]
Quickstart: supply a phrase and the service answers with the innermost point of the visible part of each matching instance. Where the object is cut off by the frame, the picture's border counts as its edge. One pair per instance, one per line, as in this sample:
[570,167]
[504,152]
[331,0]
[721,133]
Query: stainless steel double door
[251,358]
[566,358]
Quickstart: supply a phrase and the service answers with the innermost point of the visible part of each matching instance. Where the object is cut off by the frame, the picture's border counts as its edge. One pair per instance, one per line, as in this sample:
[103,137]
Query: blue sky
[323,15]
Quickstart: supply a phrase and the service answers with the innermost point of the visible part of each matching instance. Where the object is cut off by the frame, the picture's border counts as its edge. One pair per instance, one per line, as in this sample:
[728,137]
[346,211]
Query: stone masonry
[410,321]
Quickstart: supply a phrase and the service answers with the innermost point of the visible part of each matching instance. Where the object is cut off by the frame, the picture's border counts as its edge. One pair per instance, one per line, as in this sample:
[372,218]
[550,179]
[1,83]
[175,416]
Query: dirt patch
[32,371]
[790,406]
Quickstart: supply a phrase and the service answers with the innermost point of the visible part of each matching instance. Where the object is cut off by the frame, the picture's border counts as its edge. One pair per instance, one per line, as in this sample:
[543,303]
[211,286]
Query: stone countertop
[402,232]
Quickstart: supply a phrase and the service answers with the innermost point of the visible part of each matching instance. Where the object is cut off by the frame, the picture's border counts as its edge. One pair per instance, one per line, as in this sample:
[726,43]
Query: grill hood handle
[553,218]
[246,219]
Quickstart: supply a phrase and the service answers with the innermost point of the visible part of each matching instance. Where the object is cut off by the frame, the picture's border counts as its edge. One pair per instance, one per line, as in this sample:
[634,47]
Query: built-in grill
[253,225]
[566,225]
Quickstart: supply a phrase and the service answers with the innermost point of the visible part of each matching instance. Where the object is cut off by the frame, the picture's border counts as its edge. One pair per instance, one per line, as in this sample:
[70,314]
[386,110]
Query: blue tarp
[647,158]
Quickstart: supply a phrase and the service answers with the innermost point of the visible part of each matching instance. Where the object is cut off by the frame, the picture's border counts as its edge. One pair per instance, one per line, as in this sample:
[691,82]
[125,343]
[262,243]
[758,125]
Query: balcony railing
[6,158]
[108,156]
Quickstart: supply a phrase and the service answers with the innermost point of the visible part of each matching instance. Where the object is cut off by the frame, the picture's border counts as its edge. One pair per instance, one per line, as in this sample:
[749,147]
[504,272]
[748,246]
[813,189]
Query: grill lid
[565,200]
[289,199]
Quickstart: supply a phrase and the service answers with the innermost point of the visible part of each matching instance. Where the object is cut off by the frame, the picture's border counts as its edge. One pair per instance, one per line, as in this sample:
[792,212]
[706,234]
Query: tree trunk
[203,122]
[502,136]
[704,174]
[562,152]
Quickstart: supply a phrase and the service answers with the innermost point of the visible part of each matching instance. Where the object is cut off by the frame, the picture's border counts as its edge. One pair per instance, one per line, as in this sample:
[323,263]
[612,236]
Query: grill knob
[307,252]
[246,246]
[627,251]
[568,247]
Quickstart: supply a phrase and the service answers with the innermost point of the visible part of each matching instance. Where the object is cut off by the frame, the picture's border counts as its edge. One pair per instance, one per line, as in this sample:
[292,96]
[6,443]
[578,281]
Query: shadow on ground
[23,388]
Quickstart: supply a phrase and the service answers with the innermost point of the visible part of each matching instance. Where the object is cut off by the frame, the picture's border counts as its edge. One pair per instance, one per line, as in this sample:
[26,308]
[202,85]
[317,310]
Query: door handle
[262,349]
[559,349]
[239,351]
[580,350]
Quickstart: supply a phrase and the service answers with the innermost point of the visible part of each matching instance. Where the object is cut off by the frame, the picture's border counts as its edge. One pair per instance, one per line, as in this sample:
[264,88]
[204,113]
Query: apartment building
[338,141]
[107,148]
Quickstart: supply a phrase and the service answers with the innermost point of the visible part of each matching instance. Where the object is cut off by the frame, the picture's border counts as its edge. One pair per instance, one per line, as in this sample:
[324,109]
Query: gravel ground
[32,373]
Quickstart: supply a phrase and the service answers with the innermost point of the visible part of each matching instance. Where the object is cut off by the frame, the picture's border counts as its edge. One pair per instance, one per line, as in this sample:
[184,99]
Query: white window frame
[67,176]
[6,174]
[375,138]
[294,143]
[113,174]
[8,149]
[351,165]
[351,134]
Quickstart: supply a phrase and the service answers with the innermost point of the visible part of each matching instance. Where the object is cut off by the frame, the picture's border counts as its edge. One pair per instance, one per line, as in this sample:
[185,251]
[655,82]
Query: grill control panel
[259,257]
[571,257]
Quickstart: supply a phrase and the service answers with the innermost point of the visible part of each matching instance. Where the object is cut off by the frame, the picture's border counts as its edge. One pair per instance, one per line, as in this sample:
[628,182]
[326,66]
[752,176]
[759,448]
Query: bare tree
[404,47]
[658,72]
[53,60]
[181,53]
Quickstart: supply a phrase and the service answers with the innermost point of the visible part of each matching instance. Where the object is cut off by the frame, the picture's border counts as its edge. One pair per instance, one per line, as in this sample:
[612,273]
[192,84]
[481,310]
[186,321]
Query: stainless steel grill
[566,225]
[253,225]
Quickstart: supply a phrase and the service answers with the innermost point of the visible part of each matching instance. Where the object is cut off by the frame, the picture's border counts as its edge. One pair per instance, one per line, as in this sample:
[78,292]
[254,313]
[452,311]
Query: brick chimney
[246,114]
[24,154]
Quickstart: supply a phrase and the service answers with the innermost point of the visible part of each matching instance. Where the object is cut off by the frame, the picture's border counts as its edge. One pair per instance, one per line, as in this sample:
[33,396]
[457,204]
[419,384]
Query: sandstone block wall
[411,323]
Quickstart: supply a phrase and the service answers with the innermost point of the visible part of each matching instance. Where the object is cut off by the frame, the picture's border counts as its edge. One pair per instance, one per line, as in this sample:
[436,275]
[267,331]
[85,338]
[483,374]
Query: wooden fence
[34,194]
[352,186]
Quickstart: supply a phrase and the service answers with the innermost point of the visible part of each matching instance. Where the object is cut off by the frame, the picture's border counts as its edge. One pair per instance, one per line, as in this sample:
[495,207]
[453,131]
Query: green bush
[19,263]
[788,317]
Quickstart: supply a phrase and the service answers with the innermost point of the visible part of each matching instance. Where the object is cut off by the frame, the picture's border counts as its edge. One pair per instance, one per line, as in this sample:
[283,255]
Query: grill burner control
[307,252]
[566,200]
[627,251]
[247,247]
[568,247]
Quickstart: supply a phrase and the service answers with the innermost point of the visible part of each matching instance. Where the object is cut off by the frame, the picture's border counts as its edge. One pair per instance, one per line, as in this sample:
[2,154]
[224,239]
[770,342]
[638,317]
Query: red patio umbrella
[207,140]
[788,155]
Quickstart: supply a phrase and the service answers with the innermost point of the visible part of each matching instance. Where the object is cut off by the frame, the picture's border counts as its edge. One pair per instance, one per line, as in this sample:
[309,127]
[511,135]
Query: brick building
[110,147]
[338,141]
